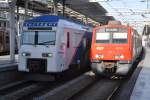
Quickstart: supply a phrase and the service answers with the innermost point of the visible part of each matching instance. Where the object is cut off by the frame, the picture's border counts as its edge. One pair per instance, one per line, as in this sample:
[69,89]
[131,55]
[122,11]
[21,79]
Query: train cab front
[111,59]
[37,52]
[110,51]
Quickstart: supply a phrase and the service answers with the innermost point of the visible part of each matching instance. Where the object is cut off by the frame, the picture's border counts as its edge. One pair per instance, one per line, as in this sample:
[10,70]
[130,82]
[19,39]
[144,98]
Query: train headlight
[26,54]
[99,56]
[47,54]
[119,56]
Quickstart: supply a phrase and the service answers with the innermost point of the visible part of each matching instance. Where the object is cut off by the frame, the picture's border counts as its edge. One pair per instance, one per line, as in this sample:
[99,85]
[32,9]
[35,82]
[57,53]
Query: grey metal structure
[12,30]
[90,9]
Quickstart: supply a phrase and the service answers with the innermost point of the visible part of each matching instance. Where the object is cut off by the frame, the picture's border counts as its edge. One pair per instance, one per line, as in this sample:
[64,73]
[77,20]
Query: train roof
[44,18]
[112,26]
[51,19]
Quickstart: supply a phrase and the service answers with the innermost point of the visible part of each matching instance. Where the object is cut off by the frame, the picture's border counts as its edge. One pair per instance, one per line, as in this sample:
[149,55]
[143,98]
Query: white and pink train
[51,44]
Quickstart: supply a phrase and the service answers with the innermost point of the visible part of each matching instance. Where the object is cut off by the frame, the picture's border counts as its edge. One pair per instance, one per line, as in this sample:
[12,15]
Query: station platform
[6,59]
[141,89]
[6,64]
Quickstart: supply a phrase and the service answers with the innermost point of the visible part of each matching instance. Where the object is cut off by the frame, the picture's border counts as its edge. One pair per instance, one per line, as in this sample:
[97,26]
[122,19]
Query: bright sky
[128,11]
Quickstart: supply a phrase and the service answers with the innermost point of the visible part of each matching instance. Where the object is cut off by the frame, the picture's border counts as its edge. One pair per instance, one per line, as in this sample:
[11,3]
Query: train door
[68,52]
[79,45]
[61,56]
[134,44]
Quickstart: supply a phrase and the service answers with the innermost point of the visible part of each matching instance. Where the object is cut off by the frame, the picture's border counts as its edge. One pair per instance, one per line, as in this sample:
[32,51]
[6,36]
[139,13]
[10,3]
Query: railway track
[84,87]
[101,90]
[88,87]
[25,90]
[15,90]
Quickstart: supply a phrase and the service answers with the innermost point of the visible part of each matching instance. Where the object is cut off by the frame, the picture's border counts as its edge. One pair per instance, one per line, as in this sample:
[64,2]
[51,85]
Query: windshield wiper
[47,42]
[27,43]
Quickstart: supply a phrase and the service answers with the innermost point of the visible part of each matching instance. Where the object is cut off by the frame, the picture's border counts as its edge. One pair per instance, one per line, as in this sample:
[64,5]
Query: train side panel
[137,45]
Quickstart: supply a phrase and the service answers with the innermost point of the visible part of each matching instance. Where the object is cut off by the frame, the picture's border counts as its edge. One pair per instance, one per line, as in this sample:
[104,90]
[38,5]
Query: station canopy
[34,5]
[89,9]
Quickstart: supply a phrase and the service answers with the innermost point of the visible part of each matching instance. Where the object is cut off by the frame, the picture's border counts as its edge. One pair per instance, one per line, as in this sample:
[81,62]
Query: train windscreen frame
[39,37]
[116,35]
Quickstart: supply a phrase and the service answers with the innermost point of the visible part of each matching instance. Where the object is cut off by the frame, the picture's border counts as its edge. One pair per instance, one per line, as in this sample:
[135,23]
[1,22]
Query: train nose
[36,65]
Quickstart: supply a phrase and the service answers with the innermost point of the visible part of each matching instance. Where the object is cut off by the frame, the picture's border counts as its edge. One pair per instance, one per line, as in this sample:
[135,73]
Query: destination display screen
[111,29]
[115,29]
[40,24]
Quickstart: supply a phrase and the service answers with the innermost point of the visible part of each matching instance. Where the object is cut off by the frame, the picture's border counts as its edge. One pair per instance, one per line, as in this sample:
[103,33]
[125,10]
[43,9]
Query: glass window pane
[28,37]
[120,38]
[102,37]
[119,35]
[46,37]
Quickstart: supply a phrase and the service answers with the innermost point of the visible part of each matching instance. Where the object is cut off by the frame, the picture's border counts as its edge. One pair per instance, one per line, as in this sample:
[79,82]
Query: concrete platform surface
[141,89]
[4,60]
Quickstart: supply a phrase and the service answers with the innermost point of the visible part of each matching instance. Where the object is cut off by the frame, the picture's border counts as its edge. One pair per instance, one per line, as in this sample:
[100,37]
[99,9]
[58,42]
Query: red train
[114,49]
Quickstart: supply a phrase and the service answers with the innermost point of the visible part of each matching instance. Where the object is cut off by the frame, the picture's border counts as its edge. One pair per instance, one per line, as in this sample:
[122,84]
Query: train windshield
[112,35]
[39,38]
[28,38]
[119,38]
[102,37]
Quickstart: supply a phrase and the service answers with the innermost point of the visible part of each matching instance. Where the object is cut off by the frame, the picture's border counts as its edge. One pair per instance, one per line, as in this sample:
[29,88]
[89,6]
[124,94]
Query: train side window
[68,39]
[4,24]
[1,41]
[7,39]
